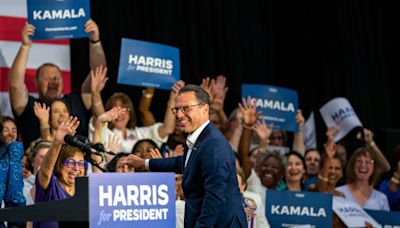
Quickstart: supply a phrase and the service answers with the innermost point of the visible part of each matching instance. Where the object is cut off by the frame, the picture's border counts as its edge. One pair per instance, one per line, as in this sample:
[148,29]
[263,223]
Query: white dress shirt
[190,141]
[192,138]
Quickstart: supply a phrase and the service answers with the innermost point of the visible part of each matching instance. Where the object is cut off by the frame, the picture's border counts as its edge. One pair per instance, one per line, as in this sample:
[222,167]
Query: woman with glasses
[362,174]
[61,165]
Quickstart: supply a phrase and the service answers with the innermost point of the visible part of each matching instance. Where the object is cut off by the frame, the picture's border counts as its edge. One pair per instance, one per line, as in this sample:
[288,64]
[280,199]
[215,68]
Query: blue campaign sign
[148,64]
[386,219]
[287,209]
[58,19]
[277,105]
[132,200]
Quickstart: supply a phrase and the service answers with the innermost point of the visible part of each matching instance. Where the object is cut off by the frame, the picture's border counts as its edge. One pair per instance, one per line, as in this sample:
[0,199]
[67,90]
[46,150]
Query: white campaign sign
[350,213]
[339,113]
[309,133]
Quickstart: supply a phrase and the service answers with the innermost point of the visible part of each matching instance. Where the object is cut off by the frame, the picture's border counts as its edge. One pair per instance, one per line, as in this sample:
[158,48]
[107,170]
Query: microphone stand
[100,150]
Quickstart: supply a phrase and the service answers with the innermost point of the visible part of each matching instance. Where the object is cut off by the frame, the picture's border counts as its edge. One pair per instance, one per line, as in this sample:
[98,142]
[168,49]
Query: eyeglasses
[184,109]
[72,163]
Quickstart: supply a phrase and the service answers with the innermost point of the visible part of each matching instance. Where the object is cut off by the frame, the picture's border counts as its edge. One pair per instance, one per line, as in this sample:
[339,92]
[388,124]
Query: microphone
[85,145]
[79,141]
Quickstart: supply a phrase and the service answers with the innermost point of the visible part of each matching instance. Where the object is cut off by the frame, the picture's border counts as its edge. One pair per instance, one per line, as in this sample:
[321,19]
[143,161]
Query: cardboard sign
[338,112]
[58,19]
[277,105]
[350,213]
[289,209]
[148,64]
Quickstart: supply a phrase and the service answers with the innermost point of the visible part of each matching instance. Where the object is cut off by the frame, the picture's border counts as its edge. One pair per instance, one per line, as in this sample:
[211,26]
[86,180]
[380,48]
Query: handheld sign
[350,213]
[288,209]
[132,199]
[386,219]
[338,112]
[58,19]
[148,64]
[309,133]
[277,105]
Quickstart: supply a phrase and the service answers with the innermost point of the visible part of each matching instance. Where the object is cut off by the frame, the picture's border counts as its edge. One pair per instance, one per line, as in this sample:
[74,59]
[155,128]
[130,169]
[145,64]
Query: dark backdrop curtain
[322,49]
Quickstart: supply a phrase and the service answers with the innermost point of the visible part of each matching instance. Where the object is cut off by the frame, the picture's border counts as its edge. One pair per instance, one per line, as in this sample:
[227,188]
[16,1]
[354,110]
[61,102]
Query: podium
[66,211]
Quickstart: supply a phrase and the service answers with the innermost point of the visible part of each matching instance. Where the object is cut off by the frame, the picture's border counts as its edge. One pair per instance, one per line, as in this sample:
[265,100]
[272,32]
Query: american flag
[13,14]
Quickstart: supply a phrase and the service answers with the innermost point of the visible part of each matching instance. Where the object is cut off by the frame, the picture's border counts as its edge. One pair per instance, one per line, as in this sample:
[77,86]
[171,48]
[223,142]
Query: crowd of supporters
[37,165]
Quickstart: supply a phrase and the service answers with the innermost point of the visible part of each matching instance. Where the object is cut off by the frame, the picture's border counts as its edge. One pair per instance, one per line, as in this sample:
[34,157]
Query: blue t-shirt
[393,197]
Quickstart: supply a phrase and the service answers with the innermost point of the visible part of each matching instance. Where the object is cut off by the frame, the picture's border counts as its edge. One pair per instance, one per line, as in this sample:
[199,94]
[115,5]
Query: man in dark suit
[209,177]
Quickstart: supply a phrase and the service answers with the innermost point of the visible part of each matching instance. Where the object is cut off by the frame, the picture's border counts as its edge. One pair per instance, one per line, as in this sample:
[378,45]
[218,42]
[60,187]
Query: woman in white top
[121,122]
[361,175]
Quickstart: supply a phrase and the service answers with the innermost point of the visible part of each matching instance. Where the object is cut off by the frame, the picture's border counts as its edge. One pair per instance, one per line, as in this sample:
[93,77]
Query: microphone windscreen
[70,139]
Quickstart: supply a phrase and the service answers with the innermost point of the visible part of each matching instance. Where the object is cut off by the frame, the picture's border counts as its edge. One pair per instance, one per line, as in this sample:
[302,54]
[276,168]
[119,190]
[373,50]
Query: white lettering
[58,14]
[275,105]
[128,195]
[145,195]
[297,210]
[105,195]
[150,64]
[132,193]
[119,196]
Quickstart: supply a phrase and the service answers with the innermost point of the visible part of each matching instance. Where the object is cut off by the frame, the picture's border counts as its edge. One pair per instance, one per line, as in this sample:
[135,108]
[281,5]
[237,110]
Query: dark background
[322,49]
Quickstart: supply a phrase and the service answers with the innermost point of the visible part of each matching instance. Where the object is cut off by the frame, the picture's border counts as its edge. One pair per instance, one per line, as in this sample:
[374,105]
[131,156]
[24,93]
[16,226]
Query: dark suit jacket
[209,182]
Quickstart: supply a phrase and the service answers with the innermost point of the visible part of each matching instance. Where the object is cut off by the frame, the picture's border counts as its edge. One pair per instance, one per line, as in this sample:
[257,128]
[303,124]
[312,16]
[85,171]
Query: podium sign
[132,199]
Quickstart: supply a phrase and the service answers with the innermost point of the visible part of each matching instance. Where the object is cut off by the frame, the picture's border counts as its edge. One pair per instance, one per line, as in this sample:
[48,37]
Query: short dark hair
[199,92]
[112,165]
[37,73]
[297,154]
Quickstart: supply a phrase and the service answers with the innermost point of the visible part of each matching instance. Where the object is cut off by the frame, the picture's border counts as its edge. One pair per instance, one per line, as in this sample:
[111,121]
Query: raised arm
[250,116]
[98,81]
[263,133]
[298,139]
[330,150]
[103,119]
[96,58]
[145,114]
[168,126]
[218,92]
[17,87]
[96,52]
[43,113]
[382,162]
[49,161]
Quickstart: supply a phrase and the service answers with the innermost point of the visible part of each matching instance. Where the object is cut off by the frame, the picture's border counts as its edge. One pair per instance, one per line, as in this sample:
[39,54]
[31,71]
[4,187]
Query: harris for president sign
[148,64]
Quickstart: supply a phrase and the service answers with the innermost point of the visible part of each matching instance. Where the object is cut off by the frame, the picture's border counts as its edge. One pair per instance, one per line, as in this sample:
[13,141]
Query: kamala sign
[277,105]
[58,19]
[288,209]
